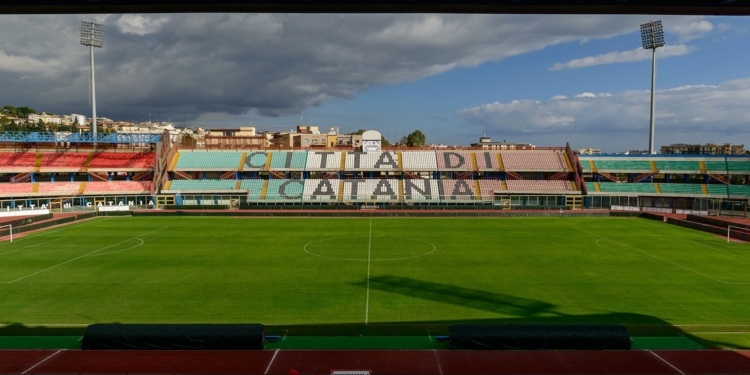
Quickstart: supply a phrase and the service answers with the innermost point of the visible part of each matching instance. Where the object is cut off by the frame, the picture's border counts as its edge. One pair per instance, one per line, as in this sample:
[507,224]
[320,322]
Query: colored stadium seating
[202,185]
[63,161]
[623,165]
[419,161]
[255,187]
[318,190]
[533,161]
[16,190]
[419,190]
[454,160]
[539,185]
[288,160]
[285,190]
[208,161]
[255,161]
[677,166]
[122,161]
[693,189]
[488,188]
[458,190]
[323,161]
[372,161]
[365,190]
[722,166]
[116,187]
[487,161]
[627,188]
[58,188]
[17,161]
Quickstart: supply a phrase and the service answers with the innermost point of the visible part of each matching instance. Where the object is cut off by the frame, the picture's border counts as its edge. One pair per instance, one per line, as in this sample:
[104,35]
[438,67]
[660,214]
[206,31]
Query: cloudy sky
[521,78]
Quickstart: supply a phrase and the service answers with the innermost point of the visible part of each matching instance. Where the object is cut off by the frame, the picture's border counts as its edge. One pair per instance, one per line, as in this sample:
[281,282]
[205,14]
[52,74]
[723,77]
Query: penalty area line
[82,256]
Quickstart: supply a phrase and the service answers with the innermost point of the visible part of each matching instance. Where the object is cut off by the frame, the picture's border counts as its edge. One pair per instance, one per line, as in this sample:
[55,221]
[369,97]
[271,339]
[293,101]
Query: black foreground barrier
[539,337]
[174,337]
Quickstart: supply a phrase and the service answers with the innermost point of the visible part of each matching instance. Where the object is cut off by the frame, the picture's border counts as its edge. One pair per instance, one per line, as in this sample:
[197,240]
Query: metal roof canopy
[676,7]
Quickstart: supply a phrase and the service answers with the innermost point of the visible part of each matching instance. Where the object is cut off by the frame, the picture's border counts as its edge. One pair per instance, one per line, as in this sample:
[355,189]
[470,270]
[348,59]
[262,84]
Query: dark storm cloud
[183,66]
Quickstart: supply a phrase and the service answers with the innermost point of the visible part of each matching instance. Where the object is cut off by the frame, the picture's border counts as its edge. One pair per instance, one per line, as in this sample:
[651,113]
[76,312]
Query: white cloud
[637,54]
[140,24]
[681,112]
[690,30]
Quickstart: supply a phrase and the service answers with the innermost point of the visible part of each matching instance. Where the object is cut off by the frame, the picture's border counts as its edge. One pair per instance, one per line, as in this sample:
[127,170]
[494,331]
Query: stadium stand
[64,161]
[626,166]
[539,185]
[487,161]
[253,188]
[202,185]
[255,161]
[626,188]
[321,190]
[122,161]
[323,161]
[288,160]
[488,188]
[17,190]
[285,190]
[675,189]
[419,161]
[419,190]
[365,190]
[456,161]
[458,190]
[58,188]
[372,161]
[116,187]
[548,161]
[678,166]
[208,161]
[17,162]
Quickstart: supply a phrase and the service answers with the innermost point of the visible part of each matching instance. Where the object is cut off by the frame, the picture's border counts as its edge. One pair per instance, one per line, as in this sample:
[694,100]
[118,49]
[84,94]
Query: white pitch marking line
[42,361]
[664,260]
[369,252]
[41,243]
[437,360]
[270,363]
[665,361]
[285,333]
[82,256]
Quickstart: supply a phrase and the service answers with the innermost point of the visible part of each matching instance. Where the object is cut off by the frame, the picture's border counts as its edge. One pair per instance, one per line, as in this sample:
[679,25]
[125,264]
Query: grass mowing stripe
[82,256]
[369,253]
[41,243]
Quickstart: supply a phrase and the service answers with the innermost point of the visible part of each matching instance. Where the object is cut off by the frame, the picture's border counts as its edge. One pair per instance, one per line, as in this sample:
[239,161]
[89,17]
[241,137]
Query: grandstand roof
[680,7]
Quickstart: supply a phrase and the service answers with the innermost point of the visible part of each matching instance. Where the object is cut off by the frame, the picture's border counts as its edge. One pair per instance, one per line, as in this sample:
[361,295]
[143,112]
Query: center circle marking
[371,260]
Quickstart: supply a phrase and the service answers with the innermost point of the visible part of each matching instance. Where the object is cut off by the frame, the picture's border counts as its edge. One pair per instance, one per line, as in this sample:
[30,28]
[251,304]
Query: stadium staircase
[87,163]
[465,175]
[178,175]
[174,161]
[609,176]
[474,164]
[21,177]
[642,176]
[702,165]
[719,178]
[38,162]
[237,185]
[653,166]
[704,188]
[276,174]
[597,187]
[341,191]
[81,189]
[658,188]
[593,166]
[99,176]
[513,175]
[560,176]
[35,187]
[500,163]
[231,175]
[243,157]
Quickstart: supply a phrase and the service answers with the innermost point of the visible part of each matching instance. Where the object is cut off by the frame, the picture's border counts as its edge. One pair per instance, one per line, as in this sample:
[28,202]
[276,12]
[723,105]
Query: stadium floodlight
[92,35]
[652,36]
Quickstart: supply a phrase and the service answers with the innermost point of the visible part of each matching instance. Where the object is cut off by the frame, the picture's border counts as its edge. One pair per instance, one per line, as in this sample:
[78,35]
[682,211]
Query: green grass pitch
[652,277]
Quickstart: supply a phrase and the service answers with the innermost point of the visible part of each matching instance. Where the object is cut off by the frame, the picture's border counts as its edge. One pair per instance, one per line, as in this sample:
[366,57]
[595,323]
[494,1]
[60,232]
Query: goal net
[10,230]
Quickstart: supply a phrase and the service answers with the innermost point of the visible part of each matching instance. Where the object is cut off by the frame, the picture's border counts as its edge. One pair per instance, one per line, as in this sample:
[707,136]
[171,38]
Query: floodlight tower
[92,35]
[652,36]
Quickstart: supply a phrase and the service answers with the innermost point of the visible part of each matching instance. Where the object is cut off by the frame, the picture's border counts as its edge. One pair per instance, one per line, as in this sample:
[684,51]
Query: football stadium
[343,256]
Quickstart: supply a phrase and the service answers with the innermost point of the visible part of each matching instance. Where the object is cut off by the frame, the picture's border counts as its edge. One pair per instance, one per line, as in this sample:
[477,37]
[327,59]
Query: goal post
[10,230]
[729,230]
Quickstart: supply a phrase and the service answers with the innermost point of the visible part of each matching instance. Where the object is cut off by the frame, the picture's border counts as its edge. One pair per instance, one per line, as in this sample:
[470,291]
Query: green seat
[635,166]
[678,166]
[203,185]
[626,187]
[681,188]
[208,160]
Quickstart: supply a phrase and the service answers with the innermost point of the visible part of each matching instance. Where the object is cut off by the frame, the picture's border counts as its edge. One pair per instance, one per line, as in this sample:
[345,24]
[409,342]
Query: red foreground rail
[428,362]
